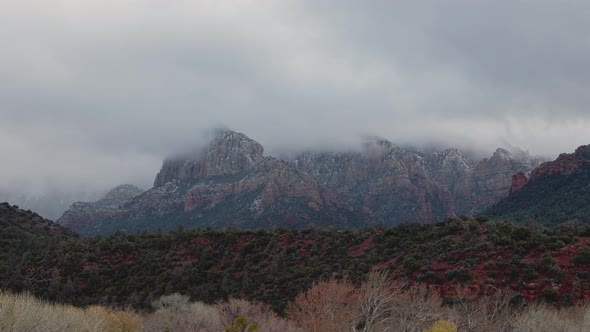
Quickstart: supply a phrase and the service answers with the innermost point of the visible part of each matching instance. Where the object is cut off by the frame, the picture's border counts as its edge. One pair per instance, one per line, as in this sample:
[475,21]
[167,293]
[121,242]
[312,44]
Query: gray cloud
[95,93]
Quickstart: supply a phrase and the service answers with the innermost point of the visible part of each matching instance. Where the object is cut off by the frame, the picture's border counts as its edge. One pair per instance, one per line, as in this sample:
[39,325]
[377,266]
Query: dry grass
[541,318]
[175,313]
[24,313]
[27,314]
[333,306]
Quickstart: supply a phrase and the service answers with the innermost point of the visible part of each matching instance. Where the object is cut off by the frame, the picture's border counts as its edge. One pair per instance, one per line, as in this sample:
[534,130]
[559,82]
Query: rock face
[556,191]
[273,177]
[229,153]
[84,215]
[519,180]
[231,183]
[565,164]
[396,185]
[386,182]
[494,175]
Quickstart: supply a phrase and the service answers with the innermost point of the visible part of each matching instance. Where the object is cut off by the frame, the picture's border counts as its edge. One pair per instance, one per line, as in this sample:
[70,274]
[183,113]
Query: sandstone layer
[231,183]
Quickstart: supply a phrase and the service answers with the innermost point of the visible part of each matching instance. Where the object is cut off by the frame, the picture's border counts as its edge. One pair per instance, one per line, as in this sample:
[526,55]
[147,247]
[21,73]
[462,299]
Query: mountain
[232,183]
[397,185]
[83,215]
[229,183]
[50,205]
[555,192]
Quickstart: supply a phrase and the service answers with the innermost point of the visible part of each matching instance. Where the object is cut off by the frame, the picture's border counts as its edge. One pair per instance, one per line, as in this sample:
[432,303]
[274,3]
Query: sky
[95,93]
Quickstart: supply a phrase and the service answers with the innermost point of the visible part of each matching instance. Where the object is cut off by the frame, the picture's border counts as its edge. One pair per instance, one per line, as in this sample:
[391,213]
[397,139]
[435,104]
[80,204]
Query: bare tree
[376,298]
[416,308]
[491,312]
[254,312]
[386,305]
[327,306]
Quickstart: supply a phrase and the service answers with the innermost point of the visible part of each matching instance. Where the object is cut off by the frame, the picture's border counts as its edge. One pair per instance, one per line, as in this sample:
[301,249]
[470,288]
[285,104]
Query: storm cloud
[96,93]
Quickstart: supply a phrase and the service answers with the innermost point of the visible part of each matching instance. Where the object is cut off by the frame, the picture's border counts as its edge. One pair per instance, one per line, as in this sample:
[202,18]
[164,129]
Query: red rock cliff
[519,180]
[566,163]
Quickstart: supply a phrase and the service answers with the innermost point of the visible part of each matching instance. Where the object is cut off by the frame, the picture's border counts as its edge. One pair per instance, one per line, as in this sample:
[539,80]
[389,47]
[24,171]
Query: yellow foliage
[241,324]
[442,326]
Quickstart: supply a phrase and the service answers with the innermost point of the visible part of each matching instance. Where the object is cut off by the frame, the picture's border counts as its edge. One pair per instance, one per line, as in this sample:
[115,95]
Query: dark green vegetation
[273,266]
[550,200]
[21,230]
[22,227]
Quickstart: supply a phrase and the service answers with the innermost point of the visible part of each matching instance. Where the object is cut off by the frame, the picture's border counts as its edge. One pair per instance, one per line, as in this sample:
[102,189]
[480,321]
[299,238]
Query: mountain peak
[122,192]
[503,154]
[222,134]
[583,152]
[452,153]
[228,153]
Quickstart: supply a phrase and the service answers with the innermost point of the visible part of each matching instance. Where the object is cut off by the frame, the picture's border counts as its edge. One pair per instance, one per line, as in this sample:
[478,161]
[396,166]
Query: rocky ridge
[565,164]
[229,153]
[232,183]
[554,192]
[410,185]
[83,215]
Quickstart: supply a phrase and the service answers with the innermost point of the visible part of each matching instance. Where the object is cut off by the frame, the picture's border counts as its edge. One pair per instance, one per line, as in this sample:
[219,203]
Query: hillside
[556,192]
[273,266]
[231,183]
[22,231]
[23,226]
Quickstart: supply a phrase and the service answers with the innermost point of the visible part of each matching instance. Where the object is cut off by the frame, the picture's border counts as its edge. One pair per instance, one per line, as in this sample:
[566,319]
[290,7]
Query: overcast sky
[94,93]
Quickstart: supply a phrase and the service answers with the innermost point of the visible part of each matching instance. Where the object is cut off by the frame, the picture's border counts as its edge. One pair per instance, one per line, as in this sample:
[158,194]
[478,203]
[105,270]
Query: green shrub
[583,257]
[459,275]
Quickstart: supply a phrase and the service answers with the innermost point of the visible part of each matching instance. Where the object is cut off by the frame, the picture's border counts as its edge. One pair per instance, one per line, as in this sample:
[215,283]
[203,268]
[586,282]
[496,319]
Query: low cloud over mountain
[96,93]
